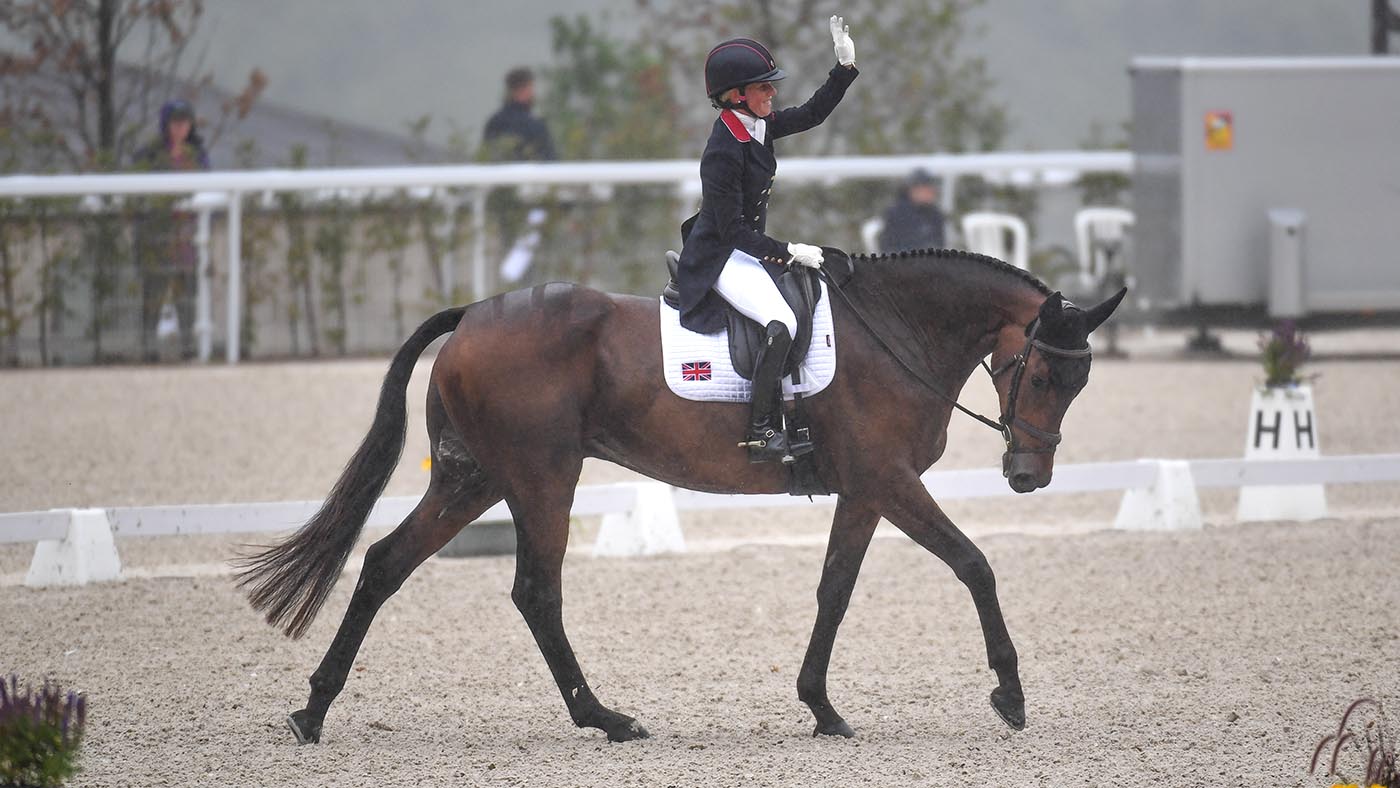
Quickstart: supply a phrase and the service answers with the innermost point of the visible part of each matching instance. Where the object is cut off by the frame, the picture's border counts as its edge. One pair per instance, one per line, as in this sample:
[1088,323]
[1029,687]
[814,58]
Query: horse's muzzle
[1026,471]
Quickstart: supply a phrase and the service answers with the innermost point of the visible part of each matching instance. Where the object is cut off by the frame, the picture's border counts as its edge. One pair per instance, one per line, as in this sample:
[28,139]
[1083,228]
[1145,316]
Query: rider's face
[759,98]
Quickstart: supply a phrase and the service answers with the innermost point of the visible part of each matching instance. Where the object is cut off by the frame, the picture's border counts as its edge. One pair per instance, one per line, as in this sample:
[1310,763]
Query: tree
[923,91]
[608,98]
[84,97]
[76,82]
[1384,21]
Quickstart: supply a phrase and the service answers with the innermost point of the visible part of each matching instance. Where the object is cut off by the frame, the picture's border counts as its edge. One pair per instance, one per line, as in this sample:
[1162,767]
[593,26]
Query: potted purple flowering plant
[1282,425]
[40,732]
[1284,351]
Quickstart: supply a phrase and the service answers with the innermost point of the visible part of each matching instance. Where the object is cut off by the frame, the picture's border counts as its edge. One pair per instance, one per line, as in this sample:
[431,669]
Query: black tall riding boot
[767,440]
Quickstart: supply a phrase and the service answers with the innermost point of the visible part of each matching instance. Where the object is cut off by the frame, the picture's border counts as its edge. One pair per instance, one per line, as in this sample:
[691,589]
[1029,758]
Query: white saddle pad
[698,366]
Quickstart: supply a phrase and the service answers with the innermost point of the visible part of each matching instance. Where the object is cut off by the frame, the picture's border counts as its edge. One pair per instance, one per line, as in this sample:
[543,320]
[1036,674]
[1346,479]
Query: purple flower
[1284,350]
[40,733]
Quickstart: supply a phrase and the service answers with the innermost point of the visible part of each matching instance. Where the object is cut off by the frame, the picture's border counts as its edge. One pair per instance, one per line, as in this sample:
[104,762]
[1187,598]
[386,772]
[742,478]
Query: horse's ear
[1096,315]
[1052,306]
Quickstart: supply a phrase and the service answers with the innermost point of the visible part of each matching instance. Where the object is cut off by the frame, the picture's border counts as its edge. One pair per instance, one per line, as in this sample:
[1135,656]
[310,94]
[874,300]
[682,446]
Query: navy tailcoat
[736,178]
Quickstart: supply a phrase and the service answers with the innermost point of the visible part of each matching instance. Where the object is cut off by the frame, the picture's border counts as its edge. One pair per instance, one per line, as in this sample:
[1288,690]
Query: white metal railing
[223,190]
[60,530]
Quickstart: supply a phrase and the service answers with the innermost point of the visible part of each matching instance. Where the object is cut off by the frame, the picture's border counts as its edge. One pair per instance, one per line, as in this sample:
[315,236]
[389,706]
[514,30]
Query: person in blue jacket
[727,257]
[165,236]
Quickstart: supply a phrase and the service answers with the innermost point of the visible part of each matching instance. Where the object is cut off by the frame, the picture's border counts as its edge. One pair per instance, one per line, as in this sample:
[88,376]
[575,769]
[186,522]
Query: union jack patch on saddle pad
[695,370]
[715,380]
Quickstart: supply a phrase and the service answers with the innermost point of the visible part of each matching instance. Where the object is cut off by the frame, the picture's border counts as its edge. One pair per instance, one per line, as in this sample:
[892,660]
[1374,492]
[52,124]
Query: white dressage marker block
[1170,503]
[86,555]
[650,527]
[1282,426]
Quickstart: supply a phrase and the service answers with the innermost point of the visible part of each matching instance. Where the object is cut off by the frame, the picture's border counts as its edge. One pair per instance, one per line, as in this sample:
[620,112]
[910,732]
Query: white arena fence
[222,191]
[76,546]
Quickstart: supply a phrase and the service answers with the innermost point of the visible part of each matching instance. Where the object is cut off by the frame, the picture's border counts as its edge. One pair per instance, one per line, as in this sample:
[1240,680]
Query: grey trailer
[1267,183]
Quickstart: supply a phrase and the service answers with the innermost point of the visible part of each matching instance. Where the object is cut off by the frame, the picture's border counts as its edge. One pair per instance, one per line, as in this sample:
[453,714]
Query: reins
[900,359]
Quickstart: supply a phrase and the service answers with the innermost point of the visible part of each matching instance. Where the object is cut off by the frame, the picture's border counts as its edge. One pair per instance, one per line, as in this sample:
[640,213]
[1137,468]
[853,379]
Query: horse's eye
[1037,382]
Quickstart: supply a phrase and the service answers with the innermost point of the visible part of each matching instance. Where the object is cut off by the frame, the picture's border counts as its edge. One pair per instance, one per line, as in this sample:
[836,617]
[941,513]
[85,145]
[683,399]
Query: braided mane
[944,255]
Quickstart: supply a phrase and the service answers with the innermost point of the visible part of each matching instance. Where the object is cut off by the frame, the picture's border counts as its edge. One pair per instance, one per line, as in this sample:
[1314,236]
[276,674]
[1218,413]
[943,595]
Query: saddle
[801,290]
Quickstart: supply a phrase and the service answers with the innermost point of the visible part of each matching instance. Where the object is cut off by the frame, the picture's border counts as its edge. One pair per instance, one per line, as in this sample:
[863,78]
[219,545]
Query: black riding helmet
[738,62]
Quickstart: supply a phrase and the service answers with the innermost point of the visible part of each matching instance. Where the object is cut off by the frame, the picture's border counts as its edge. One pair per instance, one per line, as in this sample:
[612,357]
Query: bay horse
[533,381]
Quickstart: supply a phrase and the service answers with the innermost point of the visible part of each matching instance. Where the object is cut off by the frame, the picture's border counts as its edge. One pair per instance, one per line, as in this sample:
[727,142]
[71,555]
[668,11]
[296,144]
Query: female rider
[726,253]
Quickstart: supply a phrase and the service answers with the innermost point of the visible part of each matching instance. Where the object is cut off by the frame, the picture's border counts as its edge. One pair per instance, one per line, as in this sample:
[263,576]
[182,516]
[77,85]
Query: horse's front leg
[851,530]
[915,513]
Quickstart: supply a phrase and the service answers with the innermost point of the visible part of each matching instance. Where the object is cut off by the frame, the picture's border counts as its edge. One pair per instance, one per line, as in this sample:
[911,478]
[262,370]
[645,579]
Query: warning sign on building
[1220,130]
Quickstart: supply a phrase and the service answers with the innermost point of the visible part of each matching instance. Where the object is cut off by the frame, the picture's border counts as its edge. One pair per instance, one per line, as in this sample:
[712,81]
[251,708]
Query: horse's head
[1038,372]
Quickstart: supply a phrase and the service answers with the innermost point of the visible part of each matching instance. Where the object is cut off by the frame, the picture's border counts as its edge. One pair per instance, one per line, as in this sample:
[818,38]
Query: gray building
[1223,143]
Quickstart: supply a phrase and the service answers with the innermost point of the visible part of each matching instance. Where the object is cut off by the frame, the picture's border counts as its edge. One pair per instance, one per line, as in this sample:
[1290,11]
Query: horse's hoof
[835,728]
[1011,707]
[305,729]
[629,730]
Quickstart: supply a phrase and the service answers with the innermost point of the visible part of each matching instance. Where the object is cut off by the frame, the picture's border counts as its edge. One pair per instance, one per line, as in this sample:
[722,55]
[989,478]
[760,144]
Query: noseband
[1009,419]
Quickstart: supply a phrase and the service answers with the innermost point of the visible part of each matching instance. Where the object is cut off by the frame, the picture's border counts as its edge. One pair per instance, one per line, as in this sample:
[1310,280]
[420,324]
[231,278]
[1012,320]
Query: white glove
[806,254]
[845,47]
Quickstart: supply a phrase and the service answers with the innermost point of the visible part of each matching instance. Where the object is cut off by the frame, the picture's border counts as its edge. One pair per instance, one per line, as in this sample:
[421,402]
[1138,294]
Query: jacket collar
[744,127]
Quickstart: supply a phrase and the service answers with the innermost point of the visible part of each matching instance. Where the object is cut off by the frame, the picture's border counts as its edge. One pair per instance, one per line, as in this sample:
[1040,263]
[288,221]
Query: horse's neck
[957,306]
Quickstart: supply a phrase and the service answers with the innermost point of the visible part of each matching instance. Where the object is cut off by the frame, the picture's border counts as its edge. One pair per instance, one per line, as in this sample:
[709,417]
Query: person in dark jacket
[165,236]
[914,221]
[727,256]
[514,133]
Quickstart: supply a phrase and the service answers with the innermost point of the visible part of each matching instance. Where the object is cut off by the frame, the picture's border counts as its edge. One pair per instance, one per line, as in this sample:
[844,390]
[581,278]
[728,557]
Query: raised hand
[845,47]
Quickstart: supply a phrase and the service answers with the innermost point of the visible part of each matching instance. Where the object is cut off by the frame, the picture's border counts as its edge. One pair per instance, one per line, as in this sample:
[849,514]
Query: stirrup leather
[799,444]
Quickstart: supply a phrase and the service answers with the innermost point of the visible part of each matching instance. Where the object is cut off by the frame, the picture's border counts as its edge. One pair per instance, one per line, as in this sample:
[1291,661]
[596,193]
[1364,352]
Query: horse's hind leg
[914,512]
[542,534]
[458,494]
[851,530]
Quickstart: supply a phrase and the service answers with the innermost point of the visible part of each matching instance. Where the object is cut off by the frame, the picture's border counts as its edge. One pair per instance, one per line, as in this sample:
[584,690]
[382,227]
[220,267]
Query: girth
[801,290]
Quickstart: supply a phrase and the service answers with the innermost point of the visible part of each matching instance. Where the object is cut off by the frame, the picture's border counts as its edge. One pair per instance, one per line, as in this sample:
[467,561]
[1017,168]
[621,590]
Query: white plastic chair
[987,233]
[1093,227]
[870,230]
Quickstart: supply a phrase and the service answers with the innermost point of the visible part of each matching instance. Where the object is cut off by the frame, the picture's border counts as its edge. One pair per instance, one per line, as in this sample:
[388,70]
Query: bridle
[1009,419]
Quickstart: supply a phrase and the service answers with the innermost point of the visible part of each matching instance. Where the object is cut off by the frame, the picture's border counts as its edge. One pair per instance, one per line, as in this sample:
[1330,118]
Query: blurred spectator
[515,134]
[914,221]
[165,236]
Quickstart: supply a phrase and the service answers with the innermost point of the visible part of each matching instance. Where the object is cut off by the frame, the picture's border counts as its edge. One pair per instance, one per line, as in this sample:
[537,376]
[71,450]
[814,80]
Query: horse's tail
[290,580]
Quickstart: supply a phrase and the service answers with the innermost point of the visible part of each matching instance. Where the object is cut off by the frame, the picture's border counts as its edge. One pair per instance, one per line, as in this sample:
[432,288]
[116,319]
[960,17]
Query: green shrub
[1284,351]
[40,733]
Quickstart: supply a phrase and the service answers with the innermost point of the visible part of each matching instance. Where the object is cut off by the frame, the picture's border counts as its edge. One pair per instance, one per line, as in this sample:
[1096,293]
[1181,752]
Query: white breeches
[747,287]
